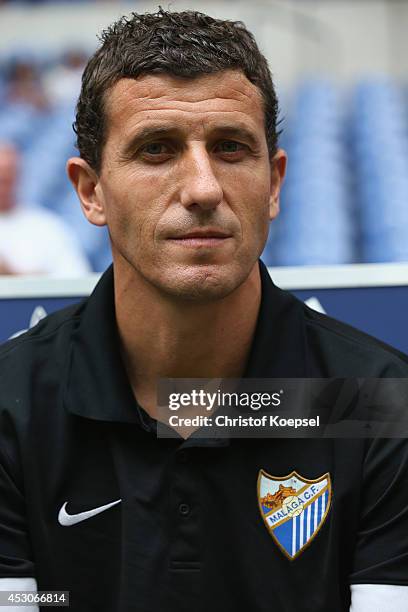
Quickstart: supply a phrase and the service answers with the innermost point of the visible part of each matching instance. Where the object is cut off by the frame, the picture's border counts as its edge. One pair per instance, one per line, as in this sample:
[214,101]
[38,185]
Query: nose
[200,186]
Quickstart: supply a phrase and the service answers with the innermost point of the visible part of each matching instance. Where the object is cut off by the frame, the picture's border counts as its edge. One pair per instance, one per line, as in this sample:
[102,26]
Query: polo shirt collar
[96,384]
[279,345]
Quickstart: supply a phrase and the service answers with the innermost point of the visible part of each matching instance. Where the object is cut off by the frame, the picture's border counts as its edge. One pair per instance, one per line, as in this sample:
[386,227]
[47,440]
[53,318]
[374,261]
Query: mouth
[203,237]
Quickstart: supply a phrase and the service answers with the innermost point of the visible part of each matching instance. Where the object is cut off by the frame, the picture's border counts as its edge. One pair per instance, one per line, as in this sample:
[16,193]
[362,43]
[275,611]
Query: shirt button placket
[184,509]
[186,536]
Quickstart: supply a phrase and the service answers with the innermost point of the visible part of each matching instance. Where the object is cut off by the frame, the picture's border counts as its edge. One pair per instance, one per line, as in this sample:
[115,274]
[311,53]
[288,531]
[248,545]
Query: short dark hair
[185,44]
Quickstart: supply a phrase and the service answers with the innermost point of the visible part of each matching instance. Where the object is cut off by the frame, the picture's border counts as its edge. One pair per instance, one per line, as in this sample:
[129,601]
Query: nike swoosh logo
[66,520]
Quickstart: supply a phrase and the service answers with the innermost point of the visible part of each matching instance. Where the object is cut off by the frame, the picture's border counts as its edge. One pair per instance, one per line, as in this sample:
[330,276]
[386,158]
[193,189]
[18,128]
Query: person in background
[24,86]
[62,83]
[32,240]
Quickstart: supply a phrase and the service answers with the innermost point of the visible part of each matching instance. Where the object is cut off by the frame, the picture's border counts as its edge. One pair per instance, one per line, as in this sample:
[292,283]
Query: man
[176,128]
[32,240]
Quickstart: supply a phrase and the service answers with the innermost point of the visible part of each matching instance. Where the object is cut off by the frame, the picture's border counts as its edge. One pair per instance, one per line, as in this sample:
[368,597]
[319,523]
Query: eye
[230,147]
[155,148]
[155,152]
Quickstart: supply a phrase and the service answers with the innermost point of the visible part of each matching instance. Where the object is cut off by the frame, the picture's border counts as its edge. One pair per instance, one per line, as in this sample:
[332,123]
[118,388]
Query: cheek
[255,221]
[252,206]
[131,210]
[133,230]
[249,185]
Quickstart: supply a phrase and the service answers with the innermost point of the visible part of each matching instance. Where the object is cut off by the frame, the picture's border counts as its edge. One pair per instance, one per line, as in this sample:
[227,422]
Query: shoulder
[33,367]
[344,351]
[44,344]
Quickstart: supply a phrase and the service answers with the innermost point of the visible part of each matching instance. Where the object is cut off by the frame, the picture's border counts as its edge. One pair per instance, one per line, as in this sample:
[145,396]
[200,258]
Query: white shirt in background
[37,241]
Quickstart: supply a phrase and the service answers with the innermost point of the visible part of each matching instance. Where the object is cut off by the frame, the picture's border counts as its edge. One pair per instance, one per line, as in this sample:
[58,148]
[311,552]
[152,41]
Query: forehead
[188,102]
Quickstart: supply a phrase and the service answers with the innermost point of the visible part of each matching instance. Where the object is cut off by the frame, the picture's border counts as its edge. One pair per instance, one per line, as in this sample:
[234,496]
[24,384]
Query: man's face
[187,187]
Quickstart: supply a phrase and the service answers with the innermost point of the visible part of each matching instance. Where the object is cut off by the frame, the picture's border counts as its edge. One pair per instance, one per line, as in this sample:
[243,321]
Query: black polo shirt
[184,529]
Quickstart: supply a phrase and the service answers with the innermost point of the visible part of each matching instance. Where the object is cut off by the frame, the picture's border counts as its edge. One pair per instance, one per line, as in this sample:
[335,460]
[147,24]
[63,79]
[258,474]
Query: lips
[201,238]
[201,233]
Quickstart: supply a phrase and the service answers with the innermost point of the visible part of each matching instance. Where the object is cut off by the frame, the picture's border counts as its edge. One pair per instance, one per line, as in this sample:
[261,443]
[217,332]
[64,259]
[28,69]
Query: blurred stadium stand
[315,224]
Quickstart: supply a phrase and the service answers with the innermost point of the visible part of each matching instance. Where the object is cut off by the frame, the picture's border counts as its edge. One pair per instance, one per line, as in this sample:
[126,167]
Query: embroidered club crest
[293,508]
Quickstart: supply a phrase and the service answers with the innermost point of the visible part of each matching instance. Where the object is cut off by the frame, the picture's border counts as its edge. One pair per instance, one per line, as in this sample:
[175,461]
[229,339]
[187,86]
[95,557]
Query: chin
[202,283]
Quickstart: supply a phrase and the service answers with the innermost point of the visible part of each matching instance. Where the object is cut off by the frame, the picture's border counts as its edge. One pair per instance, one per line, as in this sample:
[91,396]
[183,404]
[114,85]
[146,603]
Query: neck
[164,338]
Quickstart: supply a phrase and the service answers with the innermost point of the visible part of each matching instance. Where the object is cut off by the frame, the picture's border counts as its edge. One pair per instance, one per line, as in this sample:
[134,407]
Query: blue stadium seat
[378,124]
[315,224]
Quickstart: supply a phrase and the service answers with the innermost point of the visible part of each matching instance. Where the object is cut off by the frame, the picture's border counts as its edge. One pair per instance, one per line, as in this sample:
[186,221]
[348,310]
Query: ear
[86,184]
[278,171]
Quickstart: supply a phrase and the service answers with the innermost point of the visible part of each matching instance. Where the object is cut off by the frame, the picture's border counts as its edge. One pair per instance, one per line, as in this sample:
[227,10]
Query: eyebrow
[237,131]
[149,132]
[167,130]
